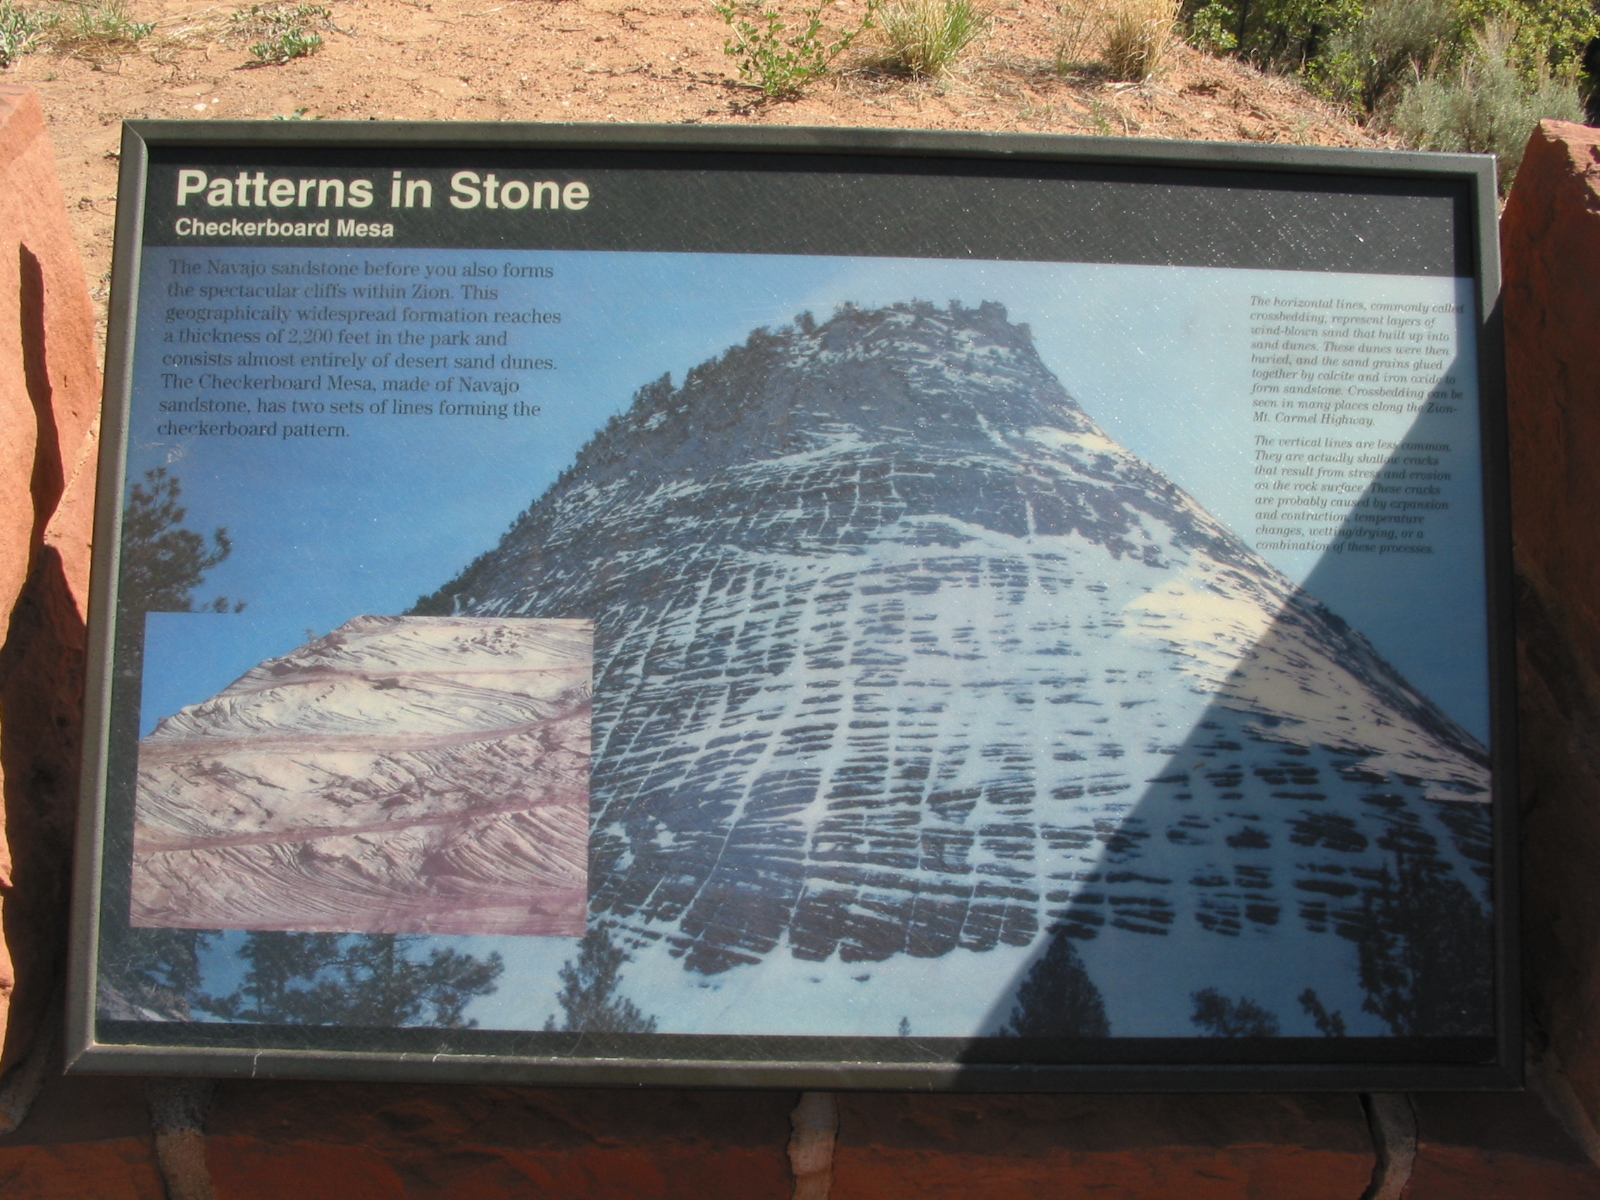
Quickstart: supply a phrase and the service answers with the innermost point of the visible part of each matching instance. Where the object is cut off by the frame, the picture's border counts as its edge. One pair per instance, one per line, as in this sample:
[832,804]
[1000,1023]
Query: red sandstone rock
[49,403]
[83,1138]
[1550,239]
[1115,1147]
[47,328]
[90,1136]
[320,1141]
[268,1140]
[1495,1148]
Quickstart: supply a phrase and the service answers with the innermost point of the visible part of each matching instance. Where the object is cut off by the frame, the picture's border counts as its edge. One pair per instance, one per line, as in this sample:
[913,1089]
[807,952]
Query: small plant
[18,28]
[285,31]
[924,37]
[95,29]
[781,60]
[1098,121]
[1486,106]
[1139,37]
[291,43]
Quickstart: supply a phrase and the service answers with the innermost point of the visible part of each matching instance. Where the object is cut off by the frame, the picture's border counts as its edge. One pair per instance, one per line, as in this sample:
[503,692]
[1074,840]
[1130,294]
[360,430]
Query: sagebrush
[1395,43]
[1486,105]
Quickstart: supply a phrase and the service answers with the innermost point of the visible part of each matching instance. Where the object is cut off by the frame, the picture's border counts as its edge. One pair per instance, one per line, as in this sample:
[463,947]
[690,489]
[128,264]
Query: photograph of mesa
[398,775]
[903,660]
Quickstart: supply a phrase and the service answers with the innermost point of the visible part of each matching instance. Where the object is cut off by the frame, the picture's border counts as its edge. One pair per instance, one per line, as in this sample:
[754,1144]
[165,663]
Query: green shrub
[1393,44]
[1429,54]
[1549,32]
[1211,28]
[1486,105]
[1283,34]
[1290,34]
[18,28]
[925,37]
[781,60]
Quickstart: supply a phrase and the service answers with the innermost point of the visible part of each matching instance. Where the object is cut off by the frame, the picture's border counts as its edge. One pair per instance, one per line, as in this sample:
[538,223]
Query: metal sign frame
[1152,218]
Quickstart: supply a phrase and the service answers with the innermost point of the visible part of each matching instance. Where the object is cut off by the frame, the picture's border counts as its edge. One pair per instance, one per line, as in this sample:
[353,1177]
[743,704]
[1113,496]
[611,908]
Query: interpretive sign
[804,608]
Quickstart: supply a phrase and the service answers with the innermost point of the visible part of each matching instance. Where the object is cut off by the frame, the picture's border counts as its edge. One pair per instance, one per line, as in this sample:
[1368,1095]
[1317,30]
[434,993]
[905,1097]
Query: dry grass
[1139,37]
[1081,27]
[923,38]
[1127,39]
[93,30]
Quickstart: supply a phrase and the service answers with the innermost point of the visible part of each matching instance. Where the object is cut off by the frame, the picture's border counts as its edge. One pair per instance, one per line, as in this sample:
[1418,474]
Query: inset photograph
[397,775]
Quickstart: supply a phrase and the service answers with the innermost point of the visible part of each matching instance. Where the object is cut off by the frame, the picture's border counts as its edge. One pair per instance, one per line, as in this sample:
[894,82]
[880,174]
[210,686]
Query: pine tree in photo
[373,981]
[147,974]
[162,562]
[1426,952]
[1329,1024]
[154,972]
[1057,999]
[588,995]
[1215,1015]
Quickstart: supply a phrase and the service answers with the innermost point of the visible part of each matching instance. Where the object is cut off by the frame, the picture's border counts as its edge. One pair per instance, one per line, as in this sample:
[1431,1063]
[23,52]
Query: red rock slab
[110,1170]
[1109,1147]
[49,405]
[330,1141]
[1550,246]
[49,368]
[84,1137]
[90,1136]
[245,1169]
[271,1139]
[1502,1147]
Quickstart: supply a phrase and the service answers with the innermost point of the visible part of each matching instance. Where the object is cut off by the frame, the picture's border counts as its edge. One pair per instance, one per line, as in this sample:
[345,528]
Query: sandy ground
[607,61]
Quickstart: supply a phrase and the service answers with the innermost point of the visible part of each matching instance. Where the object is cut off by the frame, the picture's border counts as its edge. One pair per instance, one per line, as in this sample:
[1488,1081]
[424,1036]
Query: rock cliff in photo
[897,653]
[399,775]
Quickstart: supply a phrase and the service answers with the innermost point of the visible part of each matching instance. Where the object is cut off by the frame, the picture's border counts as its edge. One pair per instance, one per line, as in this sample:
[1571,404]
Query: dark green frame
[1136,1072]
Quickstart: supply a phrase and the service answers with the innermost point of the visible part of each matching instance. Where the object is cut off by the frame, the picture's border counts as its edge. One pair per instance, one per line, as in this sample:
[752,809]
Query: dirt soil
[608,61]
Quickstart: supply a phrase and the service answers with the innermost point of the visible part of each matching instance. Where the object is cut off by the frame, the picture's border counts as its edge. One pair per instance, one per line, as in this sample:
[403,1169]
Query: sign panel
[820,609]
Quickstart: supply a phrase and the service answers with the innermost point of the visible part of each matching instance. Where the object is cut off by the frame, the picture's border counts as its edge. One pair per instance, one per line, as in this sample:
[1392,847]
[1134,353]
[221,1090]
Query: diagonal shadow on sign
[1312,858]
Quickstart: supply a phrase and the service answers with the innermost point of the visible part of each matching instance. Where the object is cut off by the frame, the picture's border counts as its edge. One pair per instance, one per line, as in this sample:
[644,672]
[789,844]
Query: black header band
[793,203]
